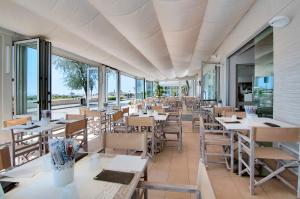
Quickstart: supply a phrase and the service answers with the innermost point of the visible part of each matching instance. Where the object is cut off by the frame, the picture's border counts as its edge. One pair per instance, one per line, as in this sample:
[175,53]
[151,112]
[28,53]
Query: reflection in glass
[149,88]
[263,84]
[140,89]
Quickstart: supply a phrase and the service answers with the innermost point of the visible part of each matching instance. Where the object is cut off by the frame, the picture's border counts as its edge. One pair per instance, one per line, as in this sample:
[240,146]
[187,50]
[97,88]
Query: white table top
[247,125]
[157,117]
[36,180]
[41,128]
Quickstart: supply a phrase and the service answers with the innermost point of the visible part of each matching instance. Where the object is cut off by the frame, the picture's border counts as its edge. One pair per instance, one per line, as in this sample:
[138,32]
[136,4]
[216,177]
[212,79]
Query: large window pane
[111,87]
[149,89]
[170,88]
[263,72]
[93,91]
[27,94]
[127,90]
[70,87]
[140,90]
[211,82]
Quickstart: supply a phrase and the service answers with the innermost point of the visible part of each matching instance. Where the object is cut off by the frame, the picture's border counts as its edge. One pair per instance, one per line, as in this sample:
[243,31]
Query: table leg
[231,150]
[146,179]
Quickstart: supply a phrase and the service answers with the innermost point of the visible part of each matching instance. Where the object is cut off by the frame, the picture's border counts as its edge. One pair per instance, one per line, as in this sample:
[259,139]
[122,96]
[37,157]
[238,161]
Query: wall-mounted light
[8,58]
[279,21]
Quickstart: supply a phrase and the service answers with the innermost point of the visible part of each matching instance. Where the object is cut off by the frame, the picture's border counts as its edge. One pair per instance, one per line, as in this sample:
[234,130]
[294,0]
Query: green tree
[159,90]
[75,74]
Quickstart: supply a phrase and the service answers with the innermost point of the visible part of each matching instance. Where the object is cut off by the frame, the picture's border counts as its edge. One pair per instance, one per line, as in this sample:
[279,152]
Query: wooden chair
[23,144]
[75,117]
[215,137]
[126,141]
[118,123]
[158,109]
[145,124]
[125,111]
[238,114]
[83,110]
[78,130]
[173,127]
[219,111]
[248,145]
[203,189]
[98,121]
[5,162]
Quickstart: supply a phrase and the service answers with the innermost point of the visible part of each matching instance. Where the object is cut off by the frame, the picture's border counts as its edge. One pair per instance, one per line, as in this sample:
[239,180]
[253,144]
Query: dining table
[39,127]
[35,178]
[234,125]
[158,117]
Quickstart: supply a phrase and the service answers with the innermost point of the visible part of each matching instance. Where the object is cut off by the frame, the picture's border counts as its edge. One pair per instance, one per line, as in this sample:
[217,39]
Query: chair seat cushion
[272,153]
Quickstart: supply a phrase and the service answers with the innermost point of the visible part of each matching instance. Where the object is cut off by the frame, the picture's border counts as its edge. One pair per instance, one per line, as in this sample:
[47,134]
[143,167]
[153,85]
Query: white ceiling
[158,39]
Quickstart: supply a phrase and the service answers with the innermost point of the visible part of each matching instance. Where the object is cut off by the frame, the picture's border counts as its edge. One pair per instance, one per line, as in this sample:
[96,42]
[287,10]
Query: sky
[58,85]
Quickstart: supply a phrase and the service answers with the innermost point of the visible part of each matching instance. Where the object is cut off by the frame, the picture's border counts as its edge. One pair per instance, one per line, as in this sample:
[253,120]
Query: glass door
[27,78]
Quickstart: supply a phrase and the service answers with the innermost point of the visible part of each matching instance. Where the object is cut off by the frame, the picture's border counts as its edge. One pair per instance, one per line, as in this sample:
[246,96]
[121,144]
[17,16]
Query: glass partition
[127,89]
[140,88]
[27,81]
[93,90]
[111,87]
[149,88]
[263,72]
[210,82]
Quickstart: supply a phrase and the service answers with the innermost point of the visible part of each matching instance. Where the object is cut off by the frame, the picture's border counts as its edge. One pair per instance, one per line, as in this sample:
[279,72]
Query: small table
[36,180]
[243,125]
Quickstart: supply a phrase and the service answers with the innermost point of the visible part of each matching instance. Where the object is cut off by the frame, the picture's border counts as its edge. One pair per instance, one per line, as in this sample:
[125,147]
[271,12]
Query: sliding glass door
[27,78]
[33,77]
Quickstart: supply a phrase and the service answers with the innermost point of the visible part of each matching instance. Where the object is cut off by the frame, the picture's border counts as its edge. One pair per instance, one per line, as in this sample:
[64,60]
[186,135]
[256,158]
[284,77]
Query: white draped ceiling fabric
[155,39]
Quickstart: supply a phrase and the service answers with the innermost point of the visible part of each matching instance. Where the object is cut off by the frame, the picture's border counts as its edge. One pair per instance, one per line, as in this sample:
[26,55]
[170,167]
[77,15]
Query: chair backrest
[90,113]
[157,108]
[201,122]
[82,110]
[5,162]
[77,126]
[125,141]
[117,116]
[75,117]
[275,134]
[140,121]
[238,114]
[204,184]
[14,122]
[125,110]
[220,110]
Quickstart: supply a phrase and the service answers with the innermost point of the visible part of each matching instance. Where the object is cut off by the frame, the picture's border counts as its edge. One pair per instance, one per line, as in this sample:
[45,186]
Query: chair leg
[240,156]
[252,168]
[231,150]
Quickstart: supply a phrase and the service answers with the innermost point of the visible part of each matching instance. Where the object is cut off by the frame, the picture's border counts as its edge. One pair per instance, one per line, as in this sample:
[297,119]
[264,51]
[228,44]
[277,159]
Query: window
[140,89]
[73,85]
[111,87]
[149,89]
[93,89]
[127,90]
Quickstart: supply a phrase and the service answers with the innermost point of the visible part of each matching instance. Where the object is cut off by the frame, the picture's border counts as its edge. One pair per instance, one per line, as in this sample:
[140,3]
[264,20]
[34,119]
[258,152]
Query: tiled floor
[181,168]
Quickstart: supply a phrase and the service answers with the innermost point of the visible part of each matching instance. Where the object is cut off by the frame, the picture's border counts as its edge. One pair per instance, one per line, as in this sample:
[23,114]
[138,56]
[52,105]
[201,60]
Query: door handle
[36,102]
